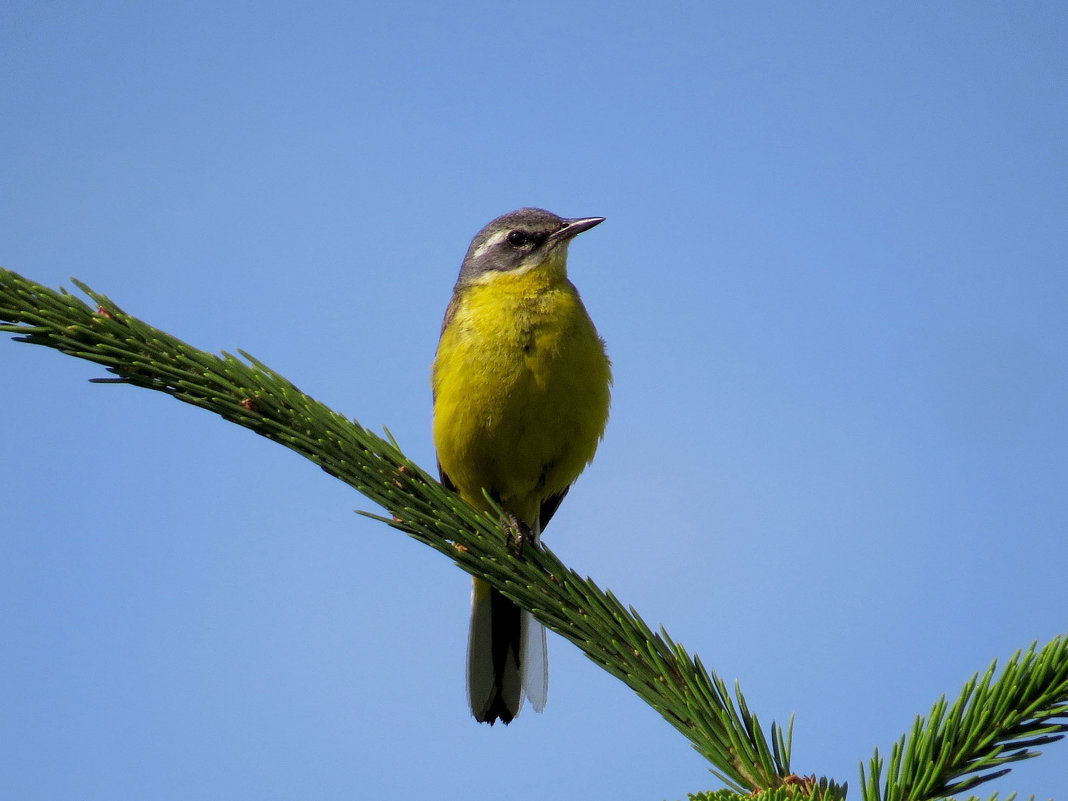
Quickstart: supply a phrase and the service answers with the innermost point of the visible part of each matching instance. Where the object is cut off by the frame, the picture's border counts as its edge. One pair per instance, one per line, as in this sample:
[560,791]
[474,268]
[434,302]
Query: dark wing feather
[549,506]
[446,482]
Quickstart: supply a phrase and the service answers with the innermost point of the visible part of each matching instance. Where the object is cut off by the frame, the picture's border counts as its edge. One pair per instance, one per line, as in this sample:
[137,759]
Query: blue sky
[832,281]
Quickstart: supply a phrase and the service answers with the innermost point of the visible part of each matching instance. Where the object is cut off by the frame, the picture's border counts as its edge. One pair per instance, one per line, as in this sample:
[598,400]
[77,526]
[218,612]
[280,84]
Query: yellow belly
[521,391]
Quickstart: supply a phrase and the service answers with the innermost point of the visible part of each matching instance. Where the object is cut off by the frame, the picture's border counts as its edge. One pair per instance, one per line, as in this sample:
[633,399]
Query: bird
[521,390]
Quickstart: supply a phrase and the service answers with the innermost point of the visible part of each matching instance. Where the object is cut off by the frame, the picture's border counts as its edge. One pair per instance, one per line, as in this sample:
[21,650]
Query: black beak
[574,227]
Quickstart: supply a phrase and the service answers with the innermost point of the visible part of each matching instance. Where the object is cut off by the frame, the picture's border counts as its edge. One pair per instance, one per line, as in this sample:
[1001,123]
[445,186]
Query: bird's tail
[506,657]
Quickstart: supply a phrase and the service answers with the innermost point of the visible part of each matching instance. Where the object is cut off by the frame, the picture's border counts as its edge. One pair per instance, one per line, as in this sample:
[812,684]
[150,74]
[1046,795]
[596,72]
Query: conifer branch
[245,391]
[992,723]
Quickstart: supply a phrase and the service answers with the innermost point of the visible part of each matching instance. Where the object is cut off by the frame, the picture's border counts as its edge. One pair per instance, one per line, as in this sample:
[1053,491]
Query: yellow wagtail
[521,390]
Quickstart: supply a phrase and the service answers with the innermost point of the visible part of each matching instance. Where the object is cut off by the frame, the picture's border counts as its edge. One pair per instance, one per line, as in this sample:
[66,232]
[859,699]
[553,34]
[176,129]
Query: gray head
[523,238]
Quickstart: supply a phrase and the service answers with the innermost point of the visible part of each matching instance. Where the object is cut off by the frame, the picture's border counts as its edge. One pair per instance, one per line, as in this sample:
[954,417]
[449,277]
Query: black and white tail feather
[507,657]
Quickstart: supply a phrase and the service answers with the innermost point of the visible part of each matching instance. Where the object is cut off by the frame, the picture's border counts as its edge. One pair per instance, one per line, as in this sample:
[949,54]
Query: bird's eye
[517,239]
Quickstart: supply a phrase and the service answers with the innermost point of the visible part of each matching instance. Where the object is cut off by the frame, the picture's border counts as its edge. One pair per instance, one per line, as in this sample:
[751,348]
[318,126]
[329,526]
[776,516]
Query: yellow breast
[521,389]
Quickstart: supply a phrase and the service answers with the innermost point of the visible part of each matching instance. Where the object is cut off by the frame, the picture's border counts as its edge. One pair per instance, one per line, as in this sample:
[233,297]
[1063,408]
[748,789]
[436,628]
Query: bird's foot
[519,534]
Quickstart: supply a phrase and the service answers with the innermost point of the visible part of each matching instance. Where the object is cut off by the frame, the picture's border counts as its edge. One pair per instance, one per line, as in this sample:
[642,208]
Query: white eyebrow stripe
[489,243]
